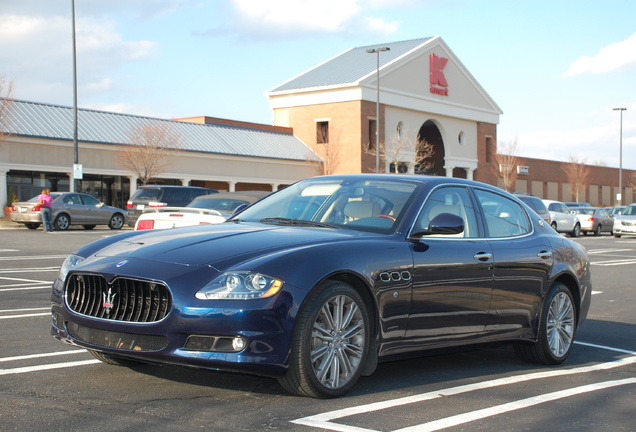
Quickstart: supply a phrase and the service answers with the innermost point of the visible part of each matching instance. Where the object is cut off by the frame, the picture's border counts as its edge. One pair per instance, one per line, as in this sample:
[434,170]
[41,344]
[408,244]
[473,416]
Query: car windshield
[585,211]
[223,204]
[375,205]
[630,210]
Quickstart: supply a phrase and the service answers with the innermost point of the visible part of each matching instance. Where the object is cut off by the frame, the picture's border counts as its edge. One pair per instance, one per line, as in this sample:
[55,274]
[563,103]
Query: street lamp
[77,170]
[620,158]
[377,51]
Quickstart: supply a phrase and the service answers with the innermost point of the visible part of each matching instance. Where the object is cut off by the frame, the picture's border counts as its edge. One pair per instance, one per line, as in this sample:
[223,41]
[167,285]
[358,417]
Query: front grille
[123,299]
[119,340]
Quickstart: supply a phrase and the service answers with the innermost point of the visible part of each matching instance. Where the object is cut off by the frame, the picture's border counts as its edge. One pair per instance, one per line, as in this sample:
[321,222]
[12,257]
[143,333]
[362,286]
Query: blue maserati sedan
[320,281]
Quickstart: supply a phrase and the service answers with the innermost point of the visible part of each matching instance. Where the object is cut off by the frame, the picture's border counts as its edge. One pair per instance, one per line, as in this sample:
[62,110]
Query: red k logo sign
[437,77]
[437,70]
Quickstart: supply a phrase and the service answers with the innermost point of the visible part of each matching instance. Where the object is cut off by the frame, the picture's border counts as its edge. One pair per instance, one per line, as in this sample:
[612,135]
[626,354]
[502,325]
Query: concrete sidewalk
[5,223]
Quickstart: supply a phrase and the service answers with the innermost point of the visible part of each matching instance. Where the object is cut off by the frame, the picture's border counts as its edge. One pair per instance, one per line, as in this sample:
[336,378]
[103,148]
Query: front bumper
[199,334]
[625,229]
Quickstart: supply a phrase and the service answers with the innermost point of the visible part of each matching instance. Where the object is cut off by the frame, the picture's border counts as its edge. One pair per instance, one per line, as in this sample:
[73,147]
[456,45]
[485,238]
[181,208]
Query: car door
[607,223]
[522,263]
[452,277]
[95,215]
[73,206]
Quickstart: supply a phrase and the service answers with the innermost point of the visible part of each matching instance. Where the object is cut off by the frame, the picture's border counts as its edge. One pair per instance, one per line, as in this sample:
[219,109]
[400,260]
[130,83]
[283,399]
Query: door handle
[482,256]
[545,254]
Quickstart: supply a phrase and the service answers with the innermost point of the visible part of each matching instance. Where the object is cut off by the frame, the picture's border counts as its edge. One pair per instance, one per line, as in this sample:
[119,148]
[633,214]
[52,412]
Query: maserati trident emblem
[109,301]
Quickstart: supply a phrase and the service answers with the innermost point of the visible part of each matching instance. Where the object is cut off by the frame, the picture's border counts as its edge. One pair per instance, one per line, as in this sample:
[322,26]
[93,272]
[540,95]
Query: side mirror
[443,224]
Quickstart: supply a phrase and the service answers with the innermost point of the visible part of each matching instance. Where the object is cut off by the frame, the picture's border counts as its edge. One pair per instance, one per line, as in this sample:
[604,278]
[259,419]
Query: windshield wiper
[297,222]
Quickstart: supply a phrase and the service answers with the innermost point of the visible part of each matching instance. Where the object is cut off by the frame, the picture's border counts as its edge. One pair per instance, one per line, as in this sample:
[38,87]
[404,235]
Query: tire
[554,226]
[62,222]
[31,225]
[88,227]
[617,236]
[556,329]
[116,222]
[113,360]
[576,231]
[327,358]
[597,231]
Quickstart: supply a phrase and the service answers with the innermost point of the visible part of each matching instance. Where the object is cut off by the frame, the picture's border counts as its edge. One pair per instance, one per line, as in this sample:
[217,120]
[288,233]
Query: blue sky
[556,68]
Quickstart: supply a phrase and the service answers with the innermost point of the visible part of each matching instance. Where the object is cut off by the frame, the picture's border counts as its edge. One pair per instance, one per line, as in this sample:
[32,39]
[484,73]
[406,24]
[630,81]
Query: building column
[185,182]
[449,171]
[231,186]
[470,173]
[4,193]
[133,185]
[275,186]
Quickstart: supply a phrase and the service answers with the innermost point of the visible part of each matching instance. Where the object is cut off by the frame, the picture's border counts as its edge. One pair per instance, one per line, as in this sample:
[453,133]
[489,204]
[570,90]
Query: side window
[72,199]
[453,200]
[504,217]
[89,200]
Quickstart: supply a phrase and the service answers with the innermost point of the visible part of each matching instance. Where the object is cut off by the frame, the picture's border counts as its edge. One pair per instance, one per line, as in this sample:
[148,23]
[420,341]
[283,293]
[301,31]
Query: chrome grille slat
[132,300]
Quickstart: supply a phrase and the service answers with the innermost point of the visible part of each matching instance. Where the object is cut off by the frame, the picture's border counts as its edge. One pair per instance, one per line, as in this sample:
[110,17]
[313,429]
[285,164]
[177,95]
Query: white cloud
[37,52]
[286,17]
[613,57]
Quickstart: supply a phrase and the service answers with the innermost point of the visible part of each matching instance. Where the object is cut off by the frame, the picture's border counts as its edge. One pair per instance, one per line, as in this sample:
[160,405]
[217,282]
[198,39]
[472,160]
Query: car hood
[221,245]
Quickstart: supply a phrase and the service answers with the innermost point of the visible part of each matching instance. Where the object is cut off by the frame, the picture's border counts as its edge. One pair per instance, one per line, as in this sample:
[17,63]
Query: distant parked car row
[69,208]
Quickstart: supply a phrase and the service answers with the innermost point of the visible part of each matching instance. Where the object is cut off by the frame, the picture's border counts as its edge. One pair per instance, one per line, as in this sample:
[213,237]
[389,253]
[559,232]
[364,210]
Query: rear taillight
[145,225]
[129,205]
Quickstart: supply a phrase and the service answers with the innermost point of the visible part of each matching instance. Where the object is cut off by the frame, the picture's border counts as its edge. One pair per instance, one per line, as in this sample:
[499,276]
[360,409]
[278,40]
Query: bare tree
[6,103]
[328,147]
[578,175]
[402,149]
[150,149]
[506,160]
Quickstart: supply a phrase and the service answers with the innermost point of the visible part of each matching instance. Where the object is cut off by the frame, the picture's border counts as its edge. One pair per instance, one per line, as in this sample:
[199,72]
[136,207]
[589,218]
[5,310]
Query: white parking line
[324,420]
[31,257]
[31,270]
[46,367]
[24,315]
[32,356]
[22,280]
[614,262]
[25,288]
[512,406]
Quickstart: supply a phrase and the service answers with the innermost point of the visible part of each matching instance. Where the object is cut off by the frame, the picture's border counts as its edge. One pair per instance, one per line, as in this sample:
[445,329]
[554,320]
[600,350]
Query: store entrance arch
[429,133]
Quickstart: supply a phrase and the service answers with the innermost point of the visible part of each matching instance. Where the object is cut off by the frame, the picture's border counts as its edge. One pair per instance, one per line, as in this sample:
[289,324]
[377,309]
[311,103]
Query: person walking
[44,202]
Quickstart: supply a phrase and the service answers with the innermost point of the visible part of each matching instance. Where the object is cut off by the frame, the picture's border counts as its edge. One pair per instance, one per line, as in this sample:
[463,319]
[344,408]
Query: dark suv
[161,196]
[535,204]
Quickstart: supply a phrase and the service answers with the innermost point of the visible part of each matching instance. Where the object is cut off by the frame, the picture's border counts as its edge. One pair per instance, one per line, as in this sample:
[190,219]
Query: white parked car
[204,209]
[563,220]
[625,223]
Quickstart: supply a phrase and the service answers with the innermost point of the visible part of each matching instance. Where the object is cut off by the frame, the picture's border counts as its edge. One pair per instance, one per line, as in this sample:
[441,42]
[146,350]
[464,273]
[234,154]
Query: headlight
[70,262]
[240,286]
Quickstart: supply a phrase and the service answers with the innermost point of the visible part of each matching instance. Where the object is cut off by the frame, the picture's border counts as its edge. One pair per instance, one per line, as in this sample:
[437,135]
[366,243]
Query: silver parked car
[595,220]
[563,220]
[625,222]
[70,208]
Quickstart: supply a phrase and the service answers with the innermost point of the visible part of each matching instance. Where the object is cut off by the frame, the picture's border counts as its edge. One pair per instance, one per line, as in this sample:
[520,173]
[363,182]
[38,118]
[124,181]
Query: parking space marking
[24,287]
[47,367]
[32,257]
[8,313]
[32,356]
[614,262]
[8,250]
[31,270]
[513,406]
[604,251]
[324,420]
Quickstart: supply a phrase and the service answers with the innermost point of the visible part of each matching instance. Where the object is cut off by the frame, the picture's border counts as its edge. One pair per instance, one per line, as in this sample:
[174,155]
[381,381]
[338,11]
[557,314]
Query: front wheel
[330,343]
[597,231]
[556,329]
[116,222]
[617,235]
[576,231]
[62,222]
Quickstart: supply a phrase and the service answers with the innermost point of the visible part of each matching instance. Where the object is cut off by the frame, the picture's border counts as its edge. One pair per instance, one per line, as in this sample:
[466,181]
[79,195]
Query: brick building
[425,95]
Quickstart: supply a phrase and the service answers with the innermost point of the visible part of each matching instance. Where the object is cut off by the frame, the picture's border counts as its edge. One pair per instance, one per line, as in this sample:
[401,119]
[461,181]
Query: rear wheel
[597,231]
[556,329]
[554,226]
[62,222]
[32,225]
[330,343]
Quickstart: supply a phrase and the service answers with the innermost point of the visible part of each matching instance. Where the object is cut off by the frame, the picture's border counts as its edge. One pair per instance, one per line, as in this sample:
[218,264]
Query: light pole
[620,158]
[377,52]
[77,174]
